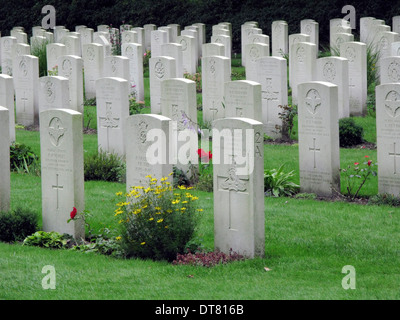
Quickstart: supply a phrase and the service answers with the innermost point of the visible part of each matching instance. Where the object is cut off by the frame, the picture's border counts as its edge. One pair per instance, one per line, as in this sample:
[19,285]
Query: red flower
[205,157]
[366,156]
[369,162]
[73,213]
[356,163]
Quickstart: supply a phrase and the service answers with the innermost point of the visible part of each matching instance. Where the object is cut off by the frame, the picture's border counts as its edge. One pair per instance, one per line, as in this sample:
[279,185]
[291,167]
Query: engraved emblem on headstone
[129,52]
[23,68]
[212,66]
[350,54]
[143,132]
[90,53]
[383,43]
[307,29]
[113,63]
[338,42]
[313,101]
[184,44]
[56,131]
[392,104]
[49,89]
[159,69]
[329,71]
[66,68]
[394,72]
[254,53]
[300,54]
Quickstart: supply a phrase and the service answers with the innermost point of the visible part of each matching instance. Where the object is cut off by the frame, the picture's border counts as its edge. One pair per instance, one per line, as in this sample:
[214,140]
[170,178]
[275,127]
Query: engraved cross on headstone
[24,99]
[57,187]
[394,155]
[315,149]
[109,122]
[232,184]
[269,95]
[214,110]
[313,101]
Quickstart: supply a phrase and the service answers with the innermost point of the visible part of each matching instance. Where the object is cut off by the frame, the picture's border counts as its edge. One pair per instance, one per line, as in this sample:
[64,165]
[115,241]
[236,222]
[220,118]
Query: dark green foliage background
[186,12]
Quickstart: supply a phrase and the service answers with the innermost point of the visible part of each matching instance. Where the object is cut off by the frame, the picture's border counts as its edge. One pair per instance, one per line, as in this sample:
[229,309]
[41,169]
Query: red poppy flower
[369,162]
[356,163]
[73,213]
[366,156]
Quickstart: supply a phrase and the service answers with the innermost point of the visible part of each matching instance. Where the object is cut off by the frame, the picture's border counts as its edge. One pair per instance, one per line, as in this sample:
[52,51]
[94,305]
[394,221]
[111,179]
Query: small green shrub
[109,247]
[104,166]
[277,183]
[44,239]
[135,107]
[38,49]
[23,159]
[350,134]
[156,222]
[287,116]
[16,225]
[196,77]
[385,199]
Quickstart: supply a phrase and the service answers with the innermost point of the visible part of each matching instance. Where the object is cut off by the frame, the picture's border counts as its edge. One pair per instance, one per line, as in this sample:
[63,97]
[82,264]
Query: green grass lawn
[308,242]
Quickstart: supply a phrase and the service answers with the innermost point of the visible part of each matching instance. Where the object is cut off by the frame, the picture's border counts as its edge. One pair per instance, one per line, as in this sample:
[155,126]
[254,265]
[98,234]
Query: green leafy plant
[356,175]
[23,159]
[350,134]
[38,49]
[277,183]
[203,177]
[196,77]
[44,239]
[135,107]
[17,224]
[385,199]
[104,166]
[287,116]
[157,222]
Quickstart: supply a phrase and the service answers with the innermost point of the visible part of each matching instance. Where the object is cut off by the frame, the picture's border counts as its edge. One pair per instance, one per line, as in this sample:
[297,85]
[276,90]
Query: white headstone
[337,39]
[160,69]
[26,90]
[112,98]
[388,137]
[246,31]
[243,99]
[129,37]
[226,41]
[364,28]
[148,28]
[356,54]
[174,50]
[253,51]
[133,52]
[390,70]
[279,36]
[302,63]
[93,63]
[272,75]
[140,37]
[239,186]
[61,147]
[4,159]
[7,101]
[86,36]
[158,37]
[189,60]
[6,45]
[213,49]
[116,66]
[176,31]
[19,49]
[310,27]
[53,93]
[144,155]
[71,67]
[178,102]
[395,48]
[336,70]
[106,45]
[318,131]
[53,52]
[216,70]
[72,45]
